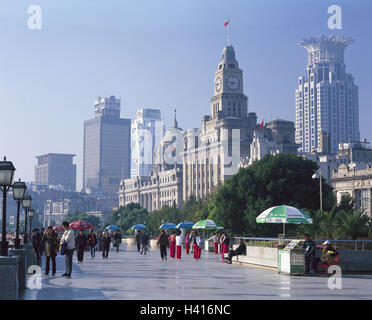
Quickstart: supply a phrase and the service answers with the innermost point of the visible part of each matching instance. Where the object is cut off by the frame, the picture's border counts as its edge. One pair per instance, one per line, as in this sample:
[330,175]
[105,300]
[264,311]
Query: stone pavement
[129,275]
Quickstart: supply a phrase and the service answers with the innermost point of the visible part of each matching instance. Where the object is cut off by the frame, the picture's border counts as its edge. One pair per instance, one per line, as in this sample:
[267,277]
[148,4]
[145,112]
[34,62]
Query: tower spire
[175,123]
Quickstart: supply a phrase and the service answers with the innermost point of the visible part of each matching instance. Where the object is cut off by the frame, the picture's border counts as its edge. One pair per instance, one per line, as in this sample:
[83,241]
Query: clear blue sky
[159,54]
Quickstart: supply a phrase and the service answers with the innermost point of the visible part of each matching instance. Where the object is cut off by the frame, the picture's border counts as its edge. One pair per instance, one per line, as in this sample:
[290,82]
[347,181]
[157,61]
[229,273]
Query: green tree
[354,224]
[271,181]
[129,215]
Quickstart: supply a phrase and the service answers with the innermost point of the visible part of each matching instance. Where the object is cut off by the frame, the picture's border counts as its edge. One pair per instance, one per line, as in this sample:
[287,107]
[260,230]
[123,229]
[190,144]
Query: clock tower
[229,99]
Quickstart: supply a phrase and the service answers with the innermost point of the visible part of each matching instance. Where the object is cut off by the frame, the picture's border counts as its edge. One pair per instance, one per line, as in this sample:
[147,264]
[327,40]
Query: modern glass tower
[327,97]
[106,148]
[147,131]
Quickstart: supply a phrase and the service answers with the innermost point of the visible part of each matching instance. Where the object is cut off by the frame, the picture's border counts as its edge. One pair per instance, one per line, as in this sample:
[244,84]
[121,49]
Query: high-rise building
[147,131]
[327,97]
[56,169]
[106,147]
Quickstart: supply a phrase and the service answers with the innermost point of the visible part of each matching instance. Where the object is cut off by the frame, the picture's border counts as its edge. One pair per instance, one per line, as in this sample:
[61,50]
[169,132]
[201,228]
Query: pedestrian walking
[179,244]
[42,244]
[187,240]
[68,238]
[201,245]
[195,246]
[92,241]
[144,242]
[172,248]
[226,245]
[117,239]
[222,238]
[192,240]
[138,242]
[164,243]
[81,243]
[106,240]
[215,240]
[50,239]
[36,243]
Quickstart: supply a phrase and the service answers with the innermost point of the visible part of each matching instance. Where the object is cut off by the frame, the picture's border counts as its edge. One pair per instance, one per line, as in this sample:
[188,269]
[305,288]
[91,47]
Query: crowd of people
[49,242]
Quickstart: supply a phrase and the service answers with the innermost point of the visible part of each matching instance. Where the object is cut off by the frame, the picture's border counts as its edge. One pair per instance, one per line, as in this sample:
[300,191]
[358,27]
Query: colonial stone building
[164,185]
[355,180]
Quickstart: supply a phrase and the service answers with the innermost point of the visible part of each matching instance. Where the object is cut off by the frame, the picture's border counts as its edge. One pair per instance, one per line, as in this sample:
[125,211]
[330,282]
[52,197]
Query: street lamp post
[19,190]
[31,215]
[6,178]
[319,175]
[120,221]
[26,204]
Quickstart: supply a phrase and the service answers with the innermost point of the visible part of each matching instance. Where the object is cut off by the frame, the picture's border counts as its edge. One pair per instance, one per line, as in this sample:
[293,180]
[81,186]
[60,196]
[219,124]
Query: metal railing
[354,245]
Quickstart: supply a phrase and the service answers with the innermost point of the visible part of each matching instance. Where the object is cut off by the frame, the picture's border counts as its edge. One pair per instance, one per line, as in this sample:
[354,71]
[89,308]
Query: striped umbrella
[284,214]
[81,224]
[58,228]
[207,224]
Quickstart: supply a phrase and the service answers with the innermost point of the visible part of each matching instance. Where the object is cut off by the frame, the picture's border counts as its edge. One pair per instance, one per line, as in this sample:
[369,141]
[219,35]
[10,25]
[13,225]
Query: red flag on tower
[261,125]
[226,23]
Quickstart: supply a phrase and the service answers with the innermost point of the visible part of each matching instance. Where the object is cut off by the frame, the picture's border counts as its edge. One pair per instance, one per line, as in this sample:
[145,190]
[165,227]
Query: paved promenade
[128,275]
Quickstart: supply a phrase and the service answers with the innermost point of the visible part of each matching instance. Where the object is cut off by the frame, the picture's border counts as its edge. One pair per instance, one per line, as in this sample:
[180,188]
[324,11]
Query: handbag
[63,248]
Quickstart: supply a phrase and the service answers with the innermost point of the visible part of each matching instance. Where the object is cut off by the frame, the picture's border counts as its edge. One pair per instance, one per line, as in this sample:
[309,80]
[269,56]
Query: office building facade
[56,169]
[107,151]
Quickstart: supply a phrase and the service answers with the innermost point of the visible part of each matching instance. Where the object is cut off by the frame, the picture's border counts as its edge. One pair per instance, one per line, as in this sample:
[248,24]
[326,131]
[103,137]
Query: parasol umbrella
[185,225]
[284,214]
[167,225]
[81,224]
[112,227]
[139,226]
[207,224]
[58,228]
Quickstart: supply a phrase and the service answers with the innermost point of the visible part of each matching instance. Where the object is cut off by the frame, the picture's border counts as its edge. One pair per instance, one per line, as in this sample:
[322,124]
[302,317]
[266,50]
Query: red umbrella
[58,228]
[81,224]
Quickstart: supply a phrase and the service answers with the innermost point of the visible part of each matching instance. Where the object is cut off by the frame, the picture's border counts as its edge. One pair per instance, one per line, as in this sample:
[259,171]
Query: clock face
[233,82]
[218,84]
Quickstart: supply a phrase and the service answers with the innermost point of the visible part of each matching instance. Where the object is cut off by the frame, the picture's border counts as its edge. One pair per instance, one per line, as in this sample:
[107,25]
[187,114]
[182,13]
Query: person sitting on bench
[242,249]
[328,255]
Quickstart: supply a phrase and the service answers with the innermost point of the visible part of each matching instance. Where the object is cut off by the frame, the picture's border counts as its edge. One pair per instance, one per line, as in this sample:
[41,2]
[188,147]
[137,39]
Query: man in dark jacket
[144,242]
[309,247]
[242,249]
[164,243]
[106,240]
[117,240]
[36,243]
[51,247]
[138,241]
[81,242]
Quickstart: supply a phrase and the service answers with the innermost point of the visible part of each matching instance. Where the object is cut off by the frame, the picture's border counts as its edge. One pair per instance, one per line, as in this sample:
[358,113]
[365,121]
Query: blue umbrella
[167,225]
[185,225]
[112,227]
[139,226]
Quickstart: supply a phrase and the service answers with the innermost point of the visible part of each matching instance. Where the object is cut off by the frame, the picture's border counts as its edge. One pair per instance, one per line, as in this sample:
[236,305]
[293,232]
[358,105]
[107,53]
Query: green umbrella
[207,224]
[284,214]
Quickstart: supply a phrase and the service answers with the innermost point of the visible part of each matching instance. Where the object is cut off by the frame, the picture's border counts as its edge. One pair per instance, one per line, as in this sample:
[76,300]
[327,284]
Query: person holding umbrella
[138,242]
[117,239]
[144,242]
